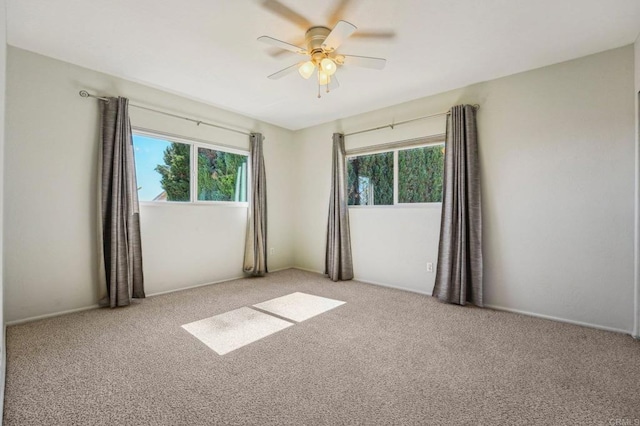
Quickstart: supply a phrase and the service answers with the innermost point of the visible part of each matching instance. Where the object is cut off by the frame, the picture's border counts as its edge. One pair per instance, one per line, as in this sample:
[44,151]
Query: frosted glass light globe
[306,69]
[328,66]
[323,78]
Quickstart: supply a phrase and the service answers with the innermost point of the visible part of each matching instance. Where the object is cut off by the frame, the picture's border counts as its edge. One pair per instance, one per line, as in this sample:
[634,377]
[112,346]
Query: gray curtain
[459,274]
[121,260]
[338,262]
[255,249]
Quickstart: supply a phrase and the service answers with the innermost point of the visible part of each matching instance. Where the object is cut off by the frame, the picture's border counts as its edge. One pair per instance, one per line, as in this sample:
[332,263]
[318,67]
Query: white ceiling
[207,49]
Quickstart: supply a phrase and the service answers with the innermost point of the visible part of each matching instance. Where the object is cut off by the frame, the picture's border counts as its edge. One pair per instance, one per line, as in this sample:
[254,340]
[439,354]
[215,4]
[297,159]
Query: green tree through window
[420,176]
[176,172]
[222,176]
[370,179]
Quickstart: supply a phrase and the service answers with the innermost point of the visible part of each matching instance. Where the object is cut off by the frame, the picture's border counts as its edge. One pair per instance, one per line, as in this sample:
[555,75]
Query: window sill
[196,203]
[401,206]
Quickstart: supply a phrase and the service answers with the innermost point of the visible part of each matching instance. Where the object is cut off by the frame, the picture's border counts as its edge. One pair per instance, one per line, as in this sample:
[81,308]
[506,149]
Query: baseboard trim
[160,293]
[3,371]
[558,319]
[86,308]
[51,315]
[411,290]
[281,269]
[308,270]
[365,281]
[495,307]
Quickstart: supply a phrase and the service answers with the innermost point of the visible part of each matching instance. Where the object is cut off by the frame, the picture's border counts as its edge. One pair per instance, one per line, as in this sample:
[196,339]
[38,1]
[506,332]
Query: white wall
[3,68]
[391,245]
[51,156]
[557,168]
[557,157]
[636,327]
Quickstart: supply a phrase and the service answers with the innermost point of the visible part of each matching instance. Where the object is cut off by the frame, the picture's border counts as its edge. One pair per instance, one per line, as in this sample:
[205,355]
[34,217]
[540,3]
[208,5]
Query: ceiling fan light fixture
[328,66]
[322,58]
[306,69]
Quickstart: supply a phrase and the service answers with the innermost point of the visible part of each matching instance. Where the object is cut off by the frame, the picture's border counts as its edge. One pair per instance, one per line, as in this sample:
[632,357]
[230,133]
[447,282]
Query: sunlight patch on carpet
[229,331]
[298,306]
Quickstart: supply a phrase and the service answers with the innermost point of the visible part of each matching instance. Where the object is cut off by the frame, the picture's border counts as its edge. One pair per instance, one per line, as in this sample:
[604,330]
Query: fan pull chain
[319,90]
[328,81]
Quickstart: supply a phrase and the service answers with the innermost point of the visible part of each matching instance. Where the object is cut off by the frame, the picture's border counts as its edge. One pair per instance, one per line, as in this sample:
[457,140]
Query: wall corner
[636,316]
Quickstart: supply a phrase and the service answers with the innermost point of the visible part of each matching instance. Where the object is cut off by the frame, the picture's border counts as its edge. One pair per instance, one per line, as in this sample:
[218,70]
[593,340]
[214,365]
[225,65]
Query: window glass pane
[222,176]
[420,173]
[162,169]
[370,179]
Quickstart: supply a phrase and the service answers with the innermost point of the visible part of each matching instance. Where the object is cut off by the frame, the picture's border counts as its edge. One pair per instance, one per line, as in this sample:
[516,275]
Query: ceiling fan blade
[364,61]
[282,45]
[276,52]
[375,34]
[338,10]
[285,12]
[286,71]
[340,33]
[333,83]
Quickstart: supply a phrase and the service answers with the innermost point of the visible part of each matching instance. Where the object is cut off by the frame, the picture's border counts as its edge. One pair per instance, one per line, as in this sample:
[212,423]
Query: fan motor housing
[314,38]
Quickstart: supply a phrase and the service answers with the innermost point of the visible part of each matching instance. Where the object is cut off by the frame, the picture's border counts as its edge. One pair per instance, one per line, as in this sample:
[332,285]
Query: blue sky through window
[149,153]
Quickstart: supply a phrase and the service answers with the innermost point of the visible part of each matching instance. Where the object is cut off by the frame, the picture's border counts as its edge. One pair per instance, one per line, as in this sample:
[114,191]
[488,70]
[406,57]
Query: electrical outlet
[272,250]
[429,267]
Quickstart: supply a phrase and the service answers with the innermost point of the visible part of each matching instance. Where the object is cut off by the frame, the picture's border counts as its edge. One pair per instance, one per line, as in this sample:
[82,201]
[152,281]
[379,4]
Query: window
[371,178]
[177,170]
[420,172]
[222,176]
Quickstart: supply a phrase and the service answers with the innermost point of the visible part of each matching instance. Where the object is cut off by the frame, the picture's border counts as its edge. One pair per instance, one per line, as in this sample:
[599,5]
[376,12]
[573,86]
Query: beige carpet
[384,357]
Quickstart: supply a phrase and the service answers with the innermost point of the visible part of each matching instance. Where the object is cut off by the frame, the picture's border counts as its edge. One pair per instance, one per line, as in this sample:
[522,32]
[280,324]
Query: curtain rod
[425,140]
[86,94]
[392,125]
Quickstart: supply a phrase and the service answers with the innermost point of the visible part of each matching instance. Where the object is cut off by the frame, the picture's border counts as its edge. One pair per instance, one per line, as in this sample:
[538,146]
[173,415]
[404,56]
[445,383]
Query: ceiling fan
[322,56]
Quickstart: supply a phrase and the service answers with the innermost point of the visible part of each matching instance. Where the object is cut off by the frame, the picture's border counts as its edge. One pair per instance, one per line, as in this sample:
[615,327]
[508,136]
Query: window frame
[194,144]
[396,174]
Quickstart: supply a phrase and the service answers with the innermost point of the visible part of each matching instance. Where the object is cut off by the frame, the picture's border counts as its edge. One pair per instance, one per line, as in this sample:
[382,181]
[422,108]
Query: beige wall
[557,170]
[51,157]
[3,67]
[557,157]
[636,328]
